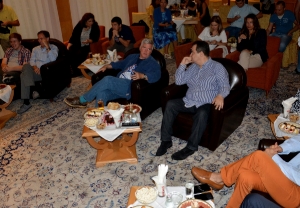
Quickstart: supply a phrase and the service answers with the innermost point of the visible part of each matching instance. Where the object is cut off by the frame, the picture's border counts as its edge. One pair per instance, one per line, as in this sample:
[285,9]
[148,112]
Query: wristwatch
[145,77]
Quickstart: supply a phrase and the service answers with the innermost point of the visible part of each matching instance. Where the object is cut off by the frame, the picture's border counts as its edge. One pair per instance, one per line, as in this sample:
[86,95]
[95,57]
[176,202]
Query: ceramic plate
[134,106]
[289,127]
[200,203]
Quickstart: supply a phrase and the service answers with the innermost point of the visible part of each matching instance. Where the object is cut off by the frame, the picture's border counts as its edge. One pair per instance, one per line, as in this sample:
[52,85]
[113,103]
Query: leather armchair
[264,77]
[142,93]
[56,75]
[185,50]
[138,33]
[221,123]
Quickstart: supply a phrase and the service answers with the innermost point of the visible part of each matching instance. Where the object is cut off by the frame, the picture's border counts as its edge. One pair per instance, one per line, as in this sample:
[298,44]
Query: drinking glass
[101,104]
[189,190]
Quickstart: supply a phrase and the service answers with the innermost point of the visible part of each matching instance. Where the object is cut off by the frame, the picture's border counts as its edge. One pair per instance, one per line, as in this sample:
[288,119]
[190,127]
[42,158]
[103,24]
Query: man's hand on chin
[218,102]
[186,60]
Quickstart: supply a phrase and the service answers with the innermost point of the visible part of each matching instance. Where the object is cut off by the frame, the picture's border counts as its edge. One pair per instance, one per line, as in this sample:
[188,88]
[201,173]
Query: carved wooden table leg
[5,114]
[82,69]
[120,150]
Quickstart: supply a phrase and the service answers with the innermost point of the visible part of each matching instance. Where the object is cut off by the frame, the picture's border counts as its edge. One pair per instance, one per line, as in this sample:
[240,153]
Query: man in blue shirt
[120,36]
[236,17]
[208,84]
[42,54]
[283,20]
[134,67]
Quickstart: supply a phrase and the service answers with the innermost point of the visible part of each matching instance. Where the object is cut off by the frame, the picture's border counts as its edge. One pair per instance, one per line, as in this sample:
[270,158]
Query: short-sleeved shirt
[125,34]
[285,24]
[8,14]
[243,12]
[205,36]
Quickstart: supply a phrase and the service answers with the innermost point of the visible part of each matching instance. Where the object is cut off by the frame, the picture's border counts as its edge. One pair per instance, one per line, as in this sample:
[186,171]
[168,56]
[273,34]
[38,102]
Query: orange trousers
[258,171]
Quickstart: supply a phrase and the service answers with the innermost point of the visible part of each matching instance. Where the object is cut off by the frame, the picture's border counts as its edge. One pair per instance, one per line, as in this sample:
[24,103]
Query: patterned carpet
[44,161]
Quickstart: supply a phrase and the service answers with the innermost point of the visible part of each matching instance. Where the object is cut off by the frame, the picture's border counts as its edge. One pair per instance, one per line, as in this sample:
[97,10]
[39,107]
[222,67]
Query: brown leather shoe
[204,177]
[75,102]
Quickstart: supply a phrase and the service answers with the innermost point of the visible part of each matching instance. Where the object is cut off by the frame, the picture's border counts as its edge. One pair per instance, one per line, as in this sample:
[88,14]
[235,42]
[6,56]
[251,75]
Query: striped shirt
[204,84]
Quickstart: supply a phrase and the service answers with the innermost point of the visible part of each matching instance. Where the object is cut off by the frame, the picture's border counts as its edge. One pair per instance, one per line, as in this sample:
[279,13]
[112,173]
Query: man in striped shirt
[208,84]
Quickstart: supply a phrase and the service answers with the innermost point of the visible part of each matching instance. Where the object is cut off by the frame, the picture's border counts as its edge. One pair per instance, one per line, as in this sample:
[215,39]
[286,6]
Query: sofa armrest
[172,91]
[54,67]
[234,56]
[234,97]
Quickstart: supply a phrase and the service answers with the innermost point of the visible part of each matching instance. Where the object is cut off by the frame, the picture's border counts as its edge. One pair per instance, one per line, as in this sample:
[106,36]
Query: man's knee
[26,69]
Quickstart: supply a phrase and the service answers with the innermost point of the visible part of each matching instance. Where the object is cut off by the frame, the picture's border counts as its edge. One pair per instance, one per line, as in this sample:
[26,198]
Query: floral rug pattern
[44,161]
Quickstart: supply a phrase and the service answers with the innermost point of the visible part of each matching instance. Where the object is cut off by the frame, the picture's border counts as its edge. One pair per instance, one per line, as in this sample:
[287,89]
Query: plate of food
[135,107]
[91,122]
[289,127]
[194,203]
[189,17]
[94,113]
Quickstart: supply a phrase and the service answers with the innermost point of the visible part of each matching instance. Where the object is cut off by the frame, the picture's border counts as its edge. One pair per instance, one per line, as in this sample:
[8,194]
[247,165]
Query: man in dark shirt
[120,36]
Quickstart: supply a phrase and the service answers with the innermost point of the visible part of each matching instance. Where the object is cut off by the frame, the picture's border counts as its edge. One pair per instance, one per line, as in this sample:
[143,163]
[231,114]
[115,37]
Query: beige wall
[65,19]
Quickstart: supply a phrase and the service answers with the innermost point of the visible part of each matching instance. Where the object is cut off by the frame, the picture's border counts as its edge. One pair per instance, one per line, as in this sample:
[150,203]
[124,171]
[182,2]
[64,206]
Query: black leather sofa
[221,123]
[56,75]
[142,93]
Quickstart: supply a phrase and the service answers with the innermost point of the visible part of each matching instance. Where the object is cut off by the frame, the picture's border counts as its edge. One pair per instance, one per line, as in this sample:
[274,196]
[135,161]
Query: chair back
[272,45]
[138,32]
[102,31]
[236,73]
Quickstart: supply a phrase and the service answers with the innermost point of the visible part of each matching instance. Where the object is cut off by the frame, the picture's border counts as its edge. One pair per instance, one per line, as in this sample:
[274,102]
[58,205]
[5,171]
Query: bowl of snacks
[146,194]
[294,117]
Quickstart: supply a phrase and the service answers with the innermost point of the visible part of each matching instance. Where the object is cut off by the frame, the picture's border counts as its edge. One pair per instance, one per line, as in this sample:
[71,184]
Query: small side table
[82,69]
[272,118]
[5,114]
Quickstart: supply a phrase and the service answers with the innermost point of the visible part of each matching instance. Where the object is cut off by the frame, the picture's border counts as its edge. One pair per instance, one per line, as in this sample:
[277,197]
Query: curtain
[143,4]
[104,11]
[36,15]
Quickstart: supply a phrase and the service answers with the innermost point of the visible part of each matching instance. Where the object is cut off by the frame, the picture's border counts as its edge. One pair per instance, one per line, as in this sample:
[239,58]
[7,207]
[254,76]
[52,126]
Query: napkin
[287,104]
[116,114]
[5,93]
[113,55]
[160,179]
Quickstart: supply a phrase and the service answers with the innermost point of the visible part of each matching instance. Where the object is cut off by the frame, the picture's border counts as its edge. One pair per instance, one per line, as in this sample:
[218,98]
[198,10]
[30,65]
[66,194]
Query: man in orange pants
[263,171]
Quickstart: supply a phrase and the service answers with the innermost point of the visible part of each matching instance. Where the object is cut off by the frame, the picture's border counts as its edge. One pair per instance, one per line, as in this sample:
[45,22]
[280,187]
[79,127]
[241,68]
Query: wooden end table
[5,114]
[82,69]
[272,118]
[119,150]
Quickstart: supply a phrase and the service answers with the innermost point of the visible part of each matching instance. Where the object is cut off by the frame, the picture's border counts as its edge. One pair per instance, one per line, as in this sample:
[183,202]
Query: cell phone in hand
[204,196]
[200,188]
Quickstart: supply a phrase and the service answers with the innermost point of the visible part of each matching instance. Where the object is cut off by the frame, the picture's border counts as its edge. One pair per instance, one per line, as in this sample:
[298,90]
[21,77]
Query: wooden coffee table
[83,71]
[5,114]
[272,118]
[120,150]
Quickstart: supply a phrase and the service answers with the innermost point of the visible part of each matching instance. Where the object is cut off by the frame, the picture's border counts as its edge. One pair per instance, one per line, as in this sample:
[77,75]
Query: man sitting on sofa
[208,83]
[134,67]
[42,54]
[236,17]
[120,36]
[284,20]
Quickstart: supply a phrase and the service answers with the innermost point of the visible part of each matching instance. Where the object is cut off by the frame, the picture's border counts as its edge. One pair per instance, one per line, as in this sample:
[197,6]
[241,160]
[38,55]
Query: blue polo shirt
[243,12]
[285,24]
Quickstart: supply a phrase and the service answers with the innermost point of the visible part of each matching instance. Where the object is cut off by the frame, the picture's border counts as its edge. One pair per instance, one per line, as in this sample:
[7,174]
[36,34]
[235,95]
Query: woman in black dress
[85,32]
[204,13]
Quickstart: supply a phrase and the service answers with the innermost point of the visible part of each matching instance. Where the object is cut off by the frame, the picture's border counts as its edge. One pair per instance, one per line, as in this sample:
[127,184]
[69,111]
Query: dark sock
[26,101]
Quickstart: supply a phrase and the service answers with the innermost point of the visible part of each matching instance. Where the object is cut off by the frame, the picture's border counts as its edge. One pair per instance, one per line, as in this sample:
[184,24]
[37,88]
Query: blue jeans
[298,67]
[109,88]
[200,117]
[258,201]
[233,31]
[284,40]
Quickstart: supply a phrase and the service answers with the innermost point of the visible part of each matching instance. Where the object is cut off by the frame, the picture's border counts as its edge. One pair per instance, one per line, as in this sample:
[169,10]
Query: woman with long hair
[252,43]
[164,31]
[85,32]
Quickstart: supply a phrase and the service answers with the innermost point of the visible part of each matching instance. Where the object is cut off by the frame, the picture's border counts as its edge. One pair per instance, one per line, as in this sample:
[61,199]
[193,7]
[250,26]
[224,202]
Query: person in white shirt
[215,35]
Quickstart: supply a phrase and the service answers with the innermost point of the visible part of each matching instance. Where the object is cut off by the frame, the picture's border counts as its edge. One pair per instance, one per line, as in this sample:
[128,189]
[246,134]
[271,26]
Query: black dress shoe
[164,146]
[182,154]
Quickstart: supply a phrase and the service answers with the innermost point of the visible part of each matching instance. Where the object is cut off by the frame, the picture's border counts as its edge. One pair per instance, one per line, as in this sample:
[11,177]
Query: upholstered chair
[264,77]
[221,123]
[142,93]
